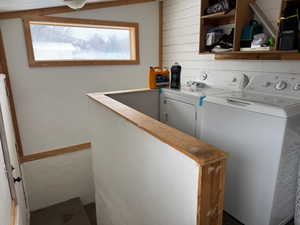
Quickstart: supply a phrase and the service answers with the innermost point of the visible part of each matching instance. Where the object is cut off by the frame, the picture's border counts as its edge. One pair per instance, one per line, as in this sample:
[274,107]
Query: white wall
[51,102]
[56,179]
[147,102]
[181,42]
[139,180]
[271,8]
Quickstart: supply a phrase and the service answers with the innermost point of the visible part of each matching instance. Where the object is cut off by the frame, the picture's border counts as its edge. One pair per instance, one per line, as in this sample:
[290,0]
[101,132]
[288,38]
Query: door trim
[6,155]
[13,212]
[4,70]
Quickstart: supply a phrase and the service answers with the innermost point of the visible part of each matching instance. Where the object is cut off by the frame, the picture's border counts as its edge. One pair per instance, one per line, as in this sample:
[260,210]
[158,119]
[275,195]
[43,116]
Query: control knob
[267,84]
[281,85]
[204,76]
[297,87]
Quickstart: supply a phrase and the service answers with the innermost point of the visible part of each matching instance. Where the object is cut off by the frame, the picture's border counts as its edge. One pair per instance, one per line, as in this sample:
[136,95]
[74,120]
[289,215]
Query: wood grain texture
[64,9]
[13,213]
[242,17]
[133,27]
[4,70]
[259,55]
[194,148]
[282,5]
[56,152]
[203,27]
[211,193]
[220,15]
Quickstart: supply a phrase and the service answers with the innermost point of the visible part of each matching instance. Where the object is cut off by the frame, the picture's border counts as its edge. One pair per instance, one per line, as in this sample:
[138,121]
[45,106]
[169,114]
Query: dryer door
[179,115]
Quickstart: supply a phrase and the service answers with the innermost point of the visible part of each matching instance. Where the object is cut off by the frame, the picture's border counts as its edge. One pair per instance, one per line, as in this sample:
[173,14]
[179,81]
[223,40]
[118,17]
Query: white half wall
[139,180]
[147,102]
[60,178]
[52,107]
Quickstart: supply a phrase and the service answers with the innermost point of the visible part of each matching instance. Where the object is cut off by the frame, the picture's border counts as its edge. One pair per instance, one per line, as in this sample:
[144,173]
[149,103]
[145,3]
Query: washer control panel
[276,84]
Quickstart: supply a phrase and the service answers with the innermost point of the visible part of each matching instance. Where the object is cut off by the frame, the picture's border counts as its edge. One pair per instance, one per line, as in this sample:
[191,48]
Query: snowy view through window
[54,42]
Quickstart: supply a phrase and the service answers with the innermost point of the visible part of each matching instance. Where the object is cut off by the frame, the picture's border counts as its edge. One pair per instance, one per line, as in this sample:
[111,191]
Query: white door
[8,141]
[6,196]
[179,115]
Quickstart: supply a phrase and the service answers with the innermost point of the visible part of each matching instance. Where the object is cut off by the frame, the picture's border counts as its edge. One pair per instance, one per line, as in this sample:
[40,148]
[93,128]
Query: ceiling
[14,5]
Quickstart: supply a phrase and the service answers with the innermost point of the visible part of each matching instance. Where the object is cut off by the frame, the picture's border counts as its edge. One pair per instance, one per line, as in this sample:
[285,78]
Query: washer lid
[201,92]
[276,101]
[267,104]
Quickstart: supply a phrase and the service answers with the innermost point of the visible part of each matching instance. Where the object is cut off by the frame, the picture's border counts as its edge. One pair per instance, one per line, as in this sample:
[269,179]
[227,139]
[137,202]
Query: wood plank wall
[181,27]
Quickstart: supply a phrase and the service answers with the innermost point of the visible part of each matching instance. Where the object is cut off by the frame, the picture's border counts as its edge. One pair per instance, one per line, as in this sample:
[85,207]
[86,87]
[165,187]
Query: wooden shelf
[240,17]
[205,53]
[259,55]
[263,52]
[212,53]
[219,15]
[252,52]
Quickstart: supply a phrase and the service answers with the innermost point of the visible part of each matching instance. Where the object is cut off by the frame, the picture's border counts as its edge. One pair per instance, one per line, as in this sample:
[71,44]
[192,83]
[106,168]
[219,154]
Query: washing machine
[260,129]
[179,108]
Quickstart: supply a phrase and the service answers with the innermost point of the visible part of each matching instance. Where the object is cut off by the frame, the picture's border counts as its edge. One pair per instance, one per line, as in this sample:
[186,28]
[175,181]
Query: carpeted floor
[72,212]
[228,220]
[90,210]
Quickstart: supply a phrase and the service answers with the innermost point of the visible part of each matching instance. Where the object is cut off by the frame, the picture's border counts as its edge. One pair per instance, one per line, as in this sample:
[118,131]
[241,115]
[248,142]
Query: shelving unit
[220,15]
[240,17]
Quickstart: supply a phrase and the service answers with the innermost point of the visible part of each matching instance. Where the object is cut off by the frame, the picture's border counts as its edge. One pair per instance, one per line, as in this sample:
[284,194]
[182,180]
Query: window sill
[82,63]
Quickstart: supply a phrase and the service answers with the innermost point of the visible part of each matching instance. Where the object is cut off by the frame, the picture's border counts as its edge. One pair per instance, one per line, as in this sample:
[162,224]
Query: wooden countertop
[194,148]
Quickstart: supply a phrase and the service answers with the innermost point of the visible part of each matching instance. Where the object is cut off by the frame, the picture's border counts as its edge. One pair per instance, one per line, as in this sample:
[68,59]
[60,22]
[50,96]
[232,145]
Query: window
[53,41]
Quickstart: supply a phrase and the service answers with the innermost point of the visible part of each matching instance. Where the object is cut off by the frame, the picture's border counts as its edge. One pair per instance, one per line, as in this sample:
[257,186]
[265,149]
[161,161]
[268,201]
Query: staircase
[71,212]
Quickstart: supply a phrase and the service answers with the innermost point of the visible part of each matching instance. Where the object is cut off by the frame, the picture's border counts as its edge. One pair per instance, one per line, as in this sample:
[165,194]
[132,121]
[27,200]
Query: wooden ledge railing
[56,152]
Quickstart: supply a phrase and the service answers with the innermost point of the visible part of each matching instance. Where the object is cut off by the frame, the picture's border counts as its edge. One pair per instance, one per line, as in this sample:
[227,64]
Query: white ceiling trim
[16,5]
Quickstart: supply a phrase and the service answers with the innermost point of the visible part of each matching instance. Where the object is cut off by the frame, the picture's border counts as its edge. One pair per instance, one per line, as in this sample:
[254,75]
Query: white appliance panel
[254,154]
[286,186]
[179,115]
